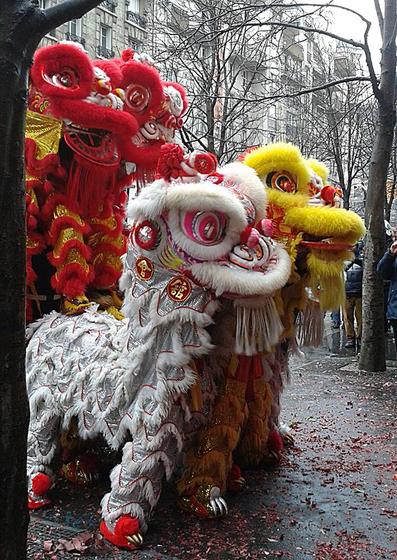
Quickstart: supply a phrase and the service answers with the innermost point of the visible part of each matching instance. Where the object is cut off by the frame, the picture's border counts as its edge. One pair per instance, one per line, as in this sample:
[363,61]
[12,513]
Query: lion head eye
[205,228]
[67,78]
[137,97]
[281,181]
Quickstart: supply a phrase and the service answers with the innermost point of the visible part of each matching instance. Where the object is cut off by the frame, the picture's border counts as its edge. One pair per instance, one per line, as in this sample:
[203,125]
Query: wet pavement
[334,496]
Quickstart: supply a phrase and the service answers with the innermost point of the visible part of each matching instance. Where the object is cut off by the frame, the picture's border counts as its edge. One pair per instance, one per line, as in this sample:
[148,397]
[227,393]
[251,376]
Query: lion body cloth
[192,242]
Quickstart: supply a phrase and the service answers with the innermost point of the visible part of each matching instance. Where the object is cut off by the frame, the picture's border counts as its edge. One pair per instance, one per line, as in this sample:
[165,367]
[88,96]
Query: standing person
[387,268]
[353,303]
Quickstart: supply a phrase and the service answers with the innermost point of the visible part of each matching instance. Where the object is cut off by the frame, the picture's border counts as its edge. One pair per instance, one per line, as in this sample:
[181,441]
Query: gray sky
[350,27]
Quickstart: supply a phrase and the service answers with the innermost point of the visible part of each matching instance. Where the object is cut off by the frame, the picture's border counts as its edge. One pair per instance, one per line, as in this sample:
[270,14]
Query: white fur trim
[249,184]
[150,203]
[227,279]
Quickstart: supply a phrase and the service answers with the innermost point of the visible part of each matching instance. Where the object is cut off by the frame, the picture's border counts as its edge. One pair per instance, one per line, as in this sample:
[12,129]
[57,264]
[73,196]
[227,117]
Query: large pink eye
[137,97]
[206,228]
[66,79]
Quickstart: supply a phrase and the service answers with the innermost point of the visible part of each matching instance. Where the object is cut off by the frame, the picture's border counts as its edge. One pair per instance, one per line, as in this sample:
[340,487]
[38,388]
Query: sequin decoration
[179,289]
[146,235]
[144,268]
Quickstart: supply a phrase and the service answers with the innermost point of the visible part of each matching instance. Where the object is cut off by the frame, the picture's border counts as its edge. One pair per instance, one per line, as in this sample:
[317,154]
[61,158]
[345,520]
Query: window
[134,6]
[105,42]
[105,37]
[75,27]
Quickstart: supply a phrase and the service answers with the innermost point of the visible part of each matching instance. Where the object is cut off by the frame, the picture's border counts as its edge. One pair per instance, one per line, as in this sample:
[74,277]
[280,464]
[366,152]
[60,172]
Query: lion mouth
[93,144]
[325,244]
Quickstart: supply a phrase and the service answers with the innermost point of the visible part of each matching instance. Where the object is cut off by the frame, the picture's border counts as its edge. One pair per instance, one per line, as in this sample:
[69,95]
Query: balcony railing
[104,51]
[76,38]
[136,18]
[110,5]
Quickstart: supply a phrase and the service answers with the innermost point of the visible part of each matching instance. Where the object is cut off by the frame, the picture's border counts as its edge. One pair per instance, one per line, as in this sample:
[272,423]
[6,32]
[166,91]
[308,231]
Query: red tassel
[89,184]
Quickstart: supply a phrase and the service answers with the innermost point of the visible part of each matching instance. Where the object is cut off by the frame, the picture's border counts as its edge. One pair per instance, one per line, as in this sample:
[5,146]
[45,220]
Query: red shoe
[126,533]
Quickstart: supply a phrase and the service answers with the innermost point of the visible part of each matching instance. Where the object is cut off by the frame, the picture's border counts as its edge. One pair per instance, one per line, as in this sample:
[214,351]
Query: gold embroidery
[46,133]
[61,210]
[67,234]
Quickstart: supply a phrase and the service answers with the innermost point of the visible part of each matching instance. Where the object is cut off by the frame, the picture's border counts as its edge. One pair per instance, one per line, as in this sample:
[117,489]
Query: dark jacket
[387,268]
[354,279]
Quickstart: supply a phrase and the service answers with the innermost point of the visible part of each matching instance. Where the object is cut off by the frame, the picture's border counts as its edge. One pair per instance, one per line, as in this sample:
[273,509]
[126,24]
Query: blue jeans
[335,317]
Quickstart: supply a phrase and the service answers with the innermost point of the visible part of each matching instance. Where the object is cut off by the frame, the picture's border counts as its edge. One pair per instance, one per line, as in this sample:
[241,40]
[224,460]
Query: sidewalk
[334,497]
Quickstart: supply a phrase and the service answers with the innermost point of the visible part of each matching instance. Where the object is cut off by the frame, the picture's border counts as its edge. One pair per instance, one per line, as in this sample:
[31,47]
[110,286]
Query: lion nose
[104,87]
[250,237]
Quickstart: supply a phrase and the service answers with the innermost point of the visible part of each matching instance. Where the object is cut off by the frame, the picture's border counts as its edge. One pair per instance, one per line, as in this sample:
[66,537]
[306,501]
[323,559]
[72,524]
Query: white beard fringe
[258,329]
[310,327]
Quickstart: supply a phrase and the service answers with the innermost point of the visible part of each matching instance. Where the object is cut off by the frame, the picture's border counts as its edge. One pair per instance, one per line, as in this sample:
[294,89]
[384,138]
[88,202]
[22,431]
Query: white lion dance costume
[193,240]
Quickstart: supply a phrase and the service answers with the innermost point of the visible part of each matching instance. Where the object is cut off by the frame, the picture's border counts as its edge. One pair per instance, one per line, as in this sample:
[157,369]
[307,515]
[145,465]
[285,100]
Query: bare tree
[288,15]
[372,357]
[22,26]
[336,124]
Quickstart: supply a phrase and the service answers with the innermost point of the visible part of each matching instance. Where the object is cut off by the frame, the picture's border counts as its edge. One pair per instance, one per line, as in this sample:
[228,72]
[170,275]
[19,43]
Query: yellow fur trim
[327,277]
[327,222]
[286,200]
[280,156]
[319,168]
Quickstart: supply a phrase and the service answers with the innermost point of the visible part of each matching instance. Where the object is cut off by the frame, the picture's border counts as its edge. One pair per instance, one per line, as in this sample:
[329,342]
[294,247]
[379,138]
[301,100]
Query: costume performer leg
[136,481]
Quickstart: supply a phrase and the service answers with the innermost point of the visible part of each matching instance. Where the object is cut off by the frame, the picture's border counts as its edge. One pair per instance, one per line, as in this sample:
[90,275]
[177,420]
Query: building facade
[106,30]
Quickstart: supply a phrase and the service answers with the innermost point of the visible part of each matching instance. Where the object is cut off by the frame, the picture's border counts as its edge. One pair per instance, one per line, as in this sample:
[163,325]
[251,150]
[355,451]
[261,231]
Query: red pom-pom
[41,483]
[127,54]
[126,525]
[205,163]
[169,164]
[328,194]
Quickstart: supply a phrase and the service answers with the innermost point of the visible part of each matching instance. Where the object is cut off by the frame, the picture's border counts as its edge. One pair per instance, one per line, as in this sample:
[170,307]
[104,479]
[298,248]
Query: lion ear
[63,70]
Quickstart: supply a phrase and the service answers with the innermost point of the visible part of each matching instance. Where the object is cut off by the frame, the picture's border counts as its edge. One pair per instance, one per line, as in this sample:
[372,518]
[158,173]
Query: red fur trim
[109,248]
[50,204]
[138,73]
[112,70]
[57,59]
[64,222]
[72,280]
[145,158]
[126,526]
[38,241]
[83,250]
[41,483]
[105,276]
[90,115]
[40,167]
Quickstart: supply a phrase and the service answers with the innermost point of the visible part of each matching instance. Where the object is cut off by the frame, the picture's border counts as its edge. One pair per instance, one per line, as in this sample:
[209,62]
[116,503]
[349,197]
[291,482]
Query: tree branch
[380,16]
[67,10]
[305,91]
